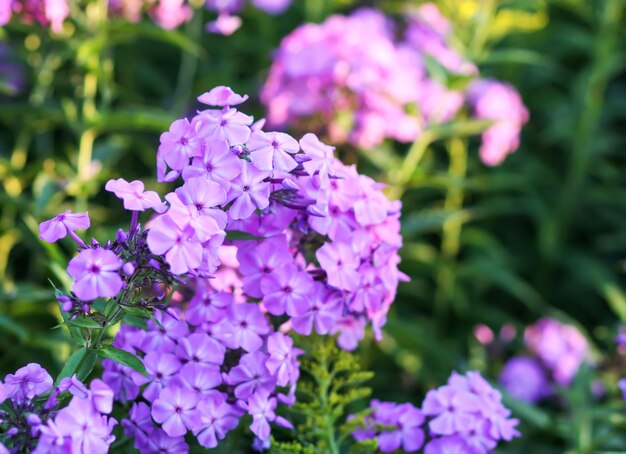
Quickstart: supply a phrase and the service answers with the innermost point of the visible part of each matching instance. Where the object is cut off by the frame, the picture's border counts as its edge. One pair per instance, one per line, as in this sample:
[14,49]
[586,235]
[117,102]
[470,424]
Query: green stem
[452,227]
[325,385]
[401,178]
[85,152]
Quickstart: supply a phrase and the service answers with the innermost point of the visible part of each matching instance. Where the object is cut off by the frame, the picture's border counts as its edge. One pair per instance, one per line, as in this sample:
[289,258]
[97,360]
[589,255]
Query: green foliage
[331,383]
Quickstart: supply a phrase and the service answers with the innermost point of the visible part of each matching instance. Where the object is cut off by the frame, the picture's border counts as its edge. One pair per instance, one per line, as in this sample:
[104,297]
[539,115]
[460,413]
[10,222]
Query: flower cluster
[557,351]
[167,14]
[228,22]
[266,235]
[204,373]
[49,13]
[394,426]
[464,416]
[501,103]
[33,418]
[326,238]
[351,78]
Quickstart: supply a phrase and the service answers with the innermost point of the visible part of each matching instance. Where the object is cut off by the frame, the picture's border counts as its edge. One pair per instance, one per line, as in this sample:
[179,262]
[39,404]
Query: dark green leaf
[123,357]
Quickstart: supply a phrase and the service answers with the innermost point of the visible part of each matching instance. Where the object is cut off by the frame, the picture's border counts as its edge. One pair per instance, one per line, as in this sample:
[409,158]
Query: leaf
[137,311]
[237,235]
[71,364]
[84,322]
[123,357]
[13,327]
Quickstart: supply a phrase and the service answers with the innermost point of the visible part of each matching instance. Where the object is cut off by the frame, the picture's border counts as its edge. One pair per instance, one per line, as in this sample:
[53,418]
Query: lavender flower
[524,378]
[95,273]
[560,347]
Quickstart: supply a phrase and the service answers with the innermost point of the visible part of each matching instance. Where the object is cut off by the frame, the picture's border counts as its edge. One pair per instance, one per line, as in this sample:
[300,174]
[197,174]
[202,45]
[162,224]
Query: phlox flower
[228,125]
[134,196]
[61,225]
[272,150]
[217,418]
[176,410]
[222,96]
[95,273]
[248,192]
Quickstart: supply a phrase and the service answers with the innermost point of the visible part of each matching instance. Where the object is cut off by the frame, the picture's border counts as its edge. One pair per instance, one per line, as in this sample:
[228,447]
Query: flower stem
[400,179]
[452,227]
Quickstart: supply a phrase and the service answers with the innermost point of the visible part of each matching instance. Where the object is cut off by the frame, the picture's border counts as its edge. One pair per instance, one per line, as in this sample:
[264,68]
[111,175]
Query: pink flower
[271,151]
[227,125]
[222,96]
[176,410]
[217,163]
[340,264]
[95,274]
[320,157]
[178,145]
[248,192]
[59,226]
[134,196]
[182,250]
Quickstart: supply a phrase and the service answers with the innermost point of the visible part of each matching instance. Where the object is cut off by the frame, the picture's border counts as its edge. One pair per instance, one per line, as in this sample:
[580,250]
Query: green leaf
[235,235]
[71,364]
[84,322]
[138,311]
[124,358]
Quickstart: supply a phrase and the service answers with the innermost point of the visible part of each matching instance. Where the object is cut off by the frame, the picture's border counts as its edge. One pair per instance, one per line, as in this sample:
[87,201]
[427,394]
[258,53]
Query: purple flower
[216,419]
[134,196]
[162,368]
[272,6]
[227,125]
[175,409]
[287,289]
[182,250]
[340,264]
[320,157]
[251,375]
[222,96]
[217,163]
[178,145]
[204,196]
[88,430]
[246,325]
[101,396]
[255,263]
[283,361]
[453,444]
[27,382]
[351,330]
[207,307]
[272,150]
[524,378]
[261,407]
[199,377]
[200,348]
[323,312]
[493,100]
[561,348]
[120,379]
[409,435]
[248,192]
[95,273]
[453,409]
[225,24]
[61,225]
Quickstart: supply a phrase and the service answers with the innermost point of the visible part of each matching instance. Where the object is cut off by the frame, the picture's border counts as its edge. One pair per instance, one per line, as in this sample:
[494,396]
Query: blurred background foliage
[541,234]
